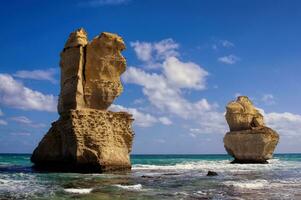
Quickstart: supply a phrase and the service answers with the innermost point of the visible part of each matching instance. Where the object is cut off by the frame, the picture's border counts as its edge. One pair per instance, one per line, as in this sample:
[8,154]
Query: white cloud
[27,122]
[138,101]
[143,50]
[230,59]
[15,94]
[153,53]
[169,99]
[184,75]
[21,119]
[47,75]
[164,89]
[285,123]
[141,119]
[3,122]
[164,95]
[166,48]
[222,44]
[20,133]
[97,3]
[227,44]
[165,120]
[268,99]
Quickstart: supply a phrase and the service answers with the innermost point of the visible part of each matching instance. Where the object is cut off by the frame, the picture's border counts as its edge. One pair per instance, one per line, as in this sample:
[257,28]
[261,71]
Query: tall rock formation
[87,137]
[249,140]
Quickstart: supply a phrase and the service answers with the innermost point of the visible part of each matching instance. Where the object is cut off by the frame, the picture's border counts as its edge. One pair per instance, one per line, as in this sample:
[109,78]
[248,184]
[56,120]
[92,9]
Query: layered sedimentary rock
[87,140]
[103,67]
[249,140]
[87,137]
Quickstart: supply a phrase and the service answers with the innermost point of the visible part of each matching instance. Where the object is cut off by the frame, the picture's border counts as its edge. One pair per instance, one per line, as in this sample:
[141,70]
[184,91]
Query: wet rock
[212,173]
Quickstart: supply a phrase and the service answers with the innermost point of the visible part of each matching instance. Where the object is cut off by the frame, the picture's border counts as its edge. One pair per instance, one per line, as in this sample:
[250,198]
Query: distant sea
[157,177]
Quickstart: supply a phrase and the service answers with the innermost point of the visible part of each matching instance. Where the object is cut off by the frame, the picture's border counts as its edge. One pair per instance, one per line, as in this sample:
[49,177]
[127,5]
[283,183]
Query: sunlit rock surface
[249,140]
[87,137]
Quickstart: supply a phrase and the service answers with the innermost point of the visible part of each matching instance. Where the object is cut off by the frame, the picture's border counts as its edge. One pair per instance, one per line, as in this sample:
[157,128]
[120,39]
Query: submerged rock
[249,140]
[212,173]
[87,137]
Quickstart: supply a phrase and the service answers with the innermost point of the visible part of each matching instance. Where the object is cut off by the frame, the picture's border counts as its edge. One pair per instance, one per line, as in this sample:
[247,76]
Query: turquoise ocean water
[158,177]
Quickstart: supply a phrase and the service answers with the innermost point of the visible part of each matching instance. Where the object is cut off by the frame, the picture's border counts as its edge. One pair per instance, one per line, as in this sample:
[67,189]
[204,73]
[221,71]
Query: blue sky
[186,61]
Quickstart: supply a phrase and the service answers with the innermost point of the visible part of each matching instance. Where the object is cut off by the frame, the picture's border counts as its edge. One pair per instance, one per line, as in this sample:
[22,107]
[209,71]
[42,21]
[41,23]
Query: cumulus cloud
[164,89]
[163,93]
[47,75]
[141,119]
[3,122]
[153,53]
[285,123]
[165,120]
[184,75]
[15,94]
[166,48]
[143,50]
[230,59]
[167,98]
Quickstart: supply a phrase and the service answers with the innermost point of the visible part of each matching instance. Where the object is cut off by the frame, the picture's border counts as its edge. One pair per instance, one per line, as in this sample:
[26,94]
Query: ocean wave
[250,184]
[78,190]
[218,166]
[137,187]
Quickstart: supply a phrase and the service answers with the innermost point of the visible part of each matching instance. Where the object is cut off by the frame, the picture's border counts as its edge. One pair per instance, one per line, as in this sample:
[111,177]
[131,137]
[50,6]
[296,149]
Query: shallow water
[158,177]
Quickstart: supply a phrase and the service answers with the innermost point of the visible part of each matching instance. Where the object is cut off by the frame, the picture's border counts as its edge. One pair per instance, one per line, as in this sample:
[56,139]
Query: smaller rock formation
[249,140]
[212,173]
[87,137]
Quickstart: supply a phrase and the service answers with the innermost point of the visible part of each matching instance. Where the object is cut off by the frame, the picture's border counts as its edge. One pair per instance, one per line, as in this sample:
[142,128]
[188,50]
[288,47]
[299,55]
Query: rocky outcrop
[87,140]
[242,115]
[249,140]
[104,65]
[87,137]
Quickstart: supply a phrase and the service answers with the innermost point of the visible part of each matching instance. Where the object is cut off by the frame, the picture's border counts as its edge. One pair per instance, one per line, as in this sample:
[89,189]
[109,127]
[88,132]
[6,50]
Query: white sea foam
[218,166]
[79,190]
[137,187]
[250,184]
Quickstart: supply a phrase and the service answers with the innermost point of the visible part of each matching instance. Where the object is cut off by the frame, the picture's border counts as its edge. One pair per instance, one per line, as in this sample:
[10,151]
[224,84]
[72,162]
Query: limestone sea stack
[249,140]
[87,137]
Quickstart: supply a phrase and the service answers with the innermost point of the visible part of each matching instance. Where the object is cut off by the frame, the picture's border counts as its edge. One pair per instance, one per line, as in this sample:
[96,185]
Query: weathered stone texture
[87,140]
[249,146]
[87,137]
[103,69]
[249,140]
[242,115]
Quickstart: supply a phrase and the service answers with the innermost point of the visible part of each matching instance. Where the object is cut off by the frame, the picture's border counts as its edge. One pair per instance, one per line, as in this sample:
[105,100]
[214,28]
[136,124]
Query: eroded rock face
[241,115]
[103,69]
[87,137]
[72,72]
[249,140]
[90,71]
[87,140]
